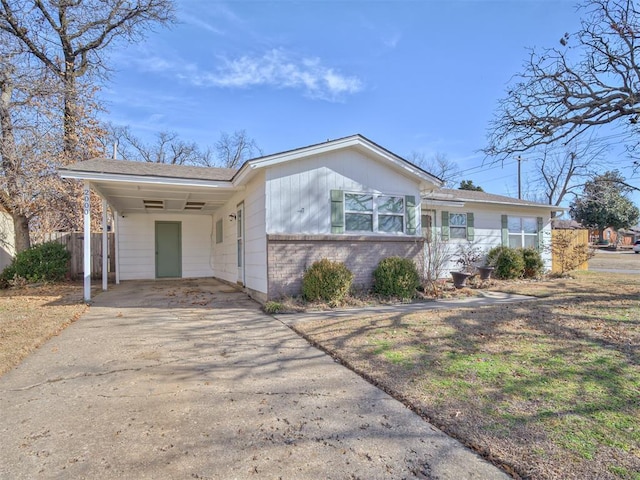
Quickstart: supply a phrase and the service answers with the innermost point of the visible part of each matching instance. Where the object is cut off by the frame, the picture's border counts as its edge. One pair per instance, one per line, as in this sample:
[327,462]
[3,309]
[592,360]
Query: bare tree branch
[236,148]
[438,165]
[68,37]
[593,80]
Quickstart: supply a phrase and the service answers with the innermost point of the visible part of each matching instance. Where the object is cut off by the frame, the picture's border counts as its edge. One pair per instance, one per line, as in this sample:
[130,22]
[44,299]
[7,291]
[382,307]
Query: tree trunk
[21,230]
[70,115]
[10,166]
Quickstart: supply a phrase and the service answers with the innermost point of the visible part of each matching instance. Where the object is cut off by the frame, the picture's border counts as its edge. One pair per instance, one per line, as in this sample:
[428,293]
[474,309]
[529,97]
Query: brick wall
[289,255]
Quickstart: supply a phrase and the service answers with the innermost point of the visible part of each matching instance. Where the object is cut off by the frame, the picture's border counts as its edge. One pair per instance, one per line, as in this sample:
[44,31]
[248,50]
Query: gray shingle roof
[146,169]
[484,197]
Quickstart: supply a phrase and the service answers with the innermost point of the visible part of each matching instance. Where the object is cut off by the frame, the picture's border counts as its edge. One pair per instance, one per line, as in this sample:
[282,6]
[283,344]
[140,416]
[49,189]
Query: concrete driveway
[190,379]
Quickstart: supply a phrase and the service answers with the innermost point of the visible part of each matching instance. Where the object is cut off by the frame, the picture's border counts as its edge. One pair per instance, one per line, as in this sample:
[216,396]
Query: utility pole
[519,159]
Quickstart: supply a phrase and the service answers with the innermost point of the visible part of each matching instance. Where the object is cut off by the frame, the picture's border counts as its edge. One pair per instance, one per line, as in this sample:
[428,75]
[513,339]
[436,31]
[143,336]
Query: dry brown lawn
[546,389]
[29,316]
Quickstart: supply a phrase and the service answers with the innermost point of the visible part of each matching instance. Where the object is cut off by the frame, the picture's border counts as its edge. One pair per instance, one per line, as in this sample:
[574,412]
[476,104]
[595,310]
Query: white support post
[116,233]
[105,246]
[87,241]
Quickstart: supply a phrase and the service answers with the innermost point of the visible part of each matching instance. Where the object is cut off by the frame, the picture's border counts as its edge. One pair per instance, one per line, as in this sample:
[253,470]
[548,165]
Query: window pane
[358,203]
[390,223]
[390,204]
[458,220]
[530,241]
[458,232]
[530,225]
[514,224]
[358,222]
[515,241]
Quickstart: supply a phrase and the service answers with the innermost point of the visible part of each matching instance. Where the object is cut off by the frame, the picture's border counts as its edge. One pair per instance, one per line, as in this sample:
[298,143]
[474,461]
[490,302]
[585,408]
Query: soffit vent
[157,204]
[194,205]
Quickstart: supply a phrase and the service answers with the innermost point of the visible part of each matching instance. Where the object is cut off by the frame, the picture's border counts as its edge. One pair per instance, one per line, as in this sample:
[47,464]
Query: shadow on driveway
[189,379]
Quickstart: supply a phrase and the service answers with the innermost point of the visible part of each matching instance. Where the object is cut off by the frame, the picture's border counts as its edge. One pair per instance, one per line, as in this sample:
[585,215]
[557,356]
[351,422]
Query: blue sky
[413,76]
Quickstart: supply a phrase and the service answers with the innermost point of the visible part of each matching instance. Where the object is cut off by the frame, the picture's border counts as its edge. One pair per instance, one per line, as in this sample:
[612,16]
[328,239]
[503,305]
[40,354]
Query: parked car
[636,247]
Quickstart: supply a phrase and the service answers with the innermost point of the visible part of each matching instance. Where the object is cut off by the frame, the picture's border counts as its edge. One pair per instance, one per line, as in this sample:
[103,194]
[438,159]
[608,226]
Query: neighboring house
[612,236]
[261,226]
[7,241]
[485,220]
[565,224]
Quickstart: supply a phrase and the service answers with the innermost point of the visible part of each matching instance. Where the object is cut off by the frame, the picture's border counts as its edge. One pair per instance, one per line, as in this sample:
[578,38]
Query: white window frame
[374,212]
[453,227]
[521,235]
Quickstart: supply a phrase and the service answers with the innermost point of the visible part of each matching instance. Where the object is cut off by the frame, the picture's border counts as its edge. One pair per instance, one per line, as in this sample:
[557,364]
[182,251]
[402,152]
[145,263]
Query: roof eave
[251,166]
[145,179]
[552,208]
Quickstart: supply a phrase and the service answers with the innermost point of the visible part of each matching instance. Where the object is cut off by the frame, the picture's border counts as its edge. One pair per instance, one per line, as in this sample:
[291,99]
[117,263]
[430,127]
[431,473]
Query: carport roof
[142,187]
[147,169]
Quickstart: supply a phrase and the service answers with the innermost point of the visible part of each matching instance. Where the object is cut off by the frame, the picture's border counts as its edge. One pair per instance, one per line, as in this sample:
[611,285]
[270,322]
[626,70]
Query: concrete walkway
[483,299]
[177,380]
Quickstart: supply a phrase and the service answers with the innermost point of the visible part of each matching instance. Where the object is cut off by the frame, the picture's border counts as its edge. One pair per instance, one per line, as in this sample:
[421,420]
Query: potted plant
[468,256]
[486,271]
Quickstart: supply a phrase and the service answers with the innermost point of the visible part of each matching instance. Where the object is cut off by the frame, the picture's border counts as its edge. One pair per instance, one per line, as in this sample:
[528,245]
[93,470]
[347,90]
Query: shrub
[396,277]
[533,264]
[493,254]
[509,264]
[45,262]
[326,280]
[7,277]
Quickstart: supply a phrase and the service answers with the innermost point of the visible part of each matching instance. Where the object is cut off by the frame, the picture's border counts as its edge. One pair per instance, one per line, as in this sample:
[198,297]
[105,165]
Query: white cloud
[392,41]
[200,23]
[278,69]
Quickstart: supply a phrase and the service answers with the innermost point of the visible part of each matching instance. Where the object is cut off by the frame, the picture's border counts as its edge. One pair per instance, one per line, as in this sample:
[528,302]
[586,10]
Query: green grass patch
[549,386]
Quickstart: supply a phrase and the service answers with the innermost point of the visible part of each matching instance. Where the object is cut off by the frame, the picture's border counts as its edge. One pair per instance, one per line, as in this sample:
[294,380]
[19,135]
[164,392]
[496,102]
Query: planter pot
[460,279]
[485,272]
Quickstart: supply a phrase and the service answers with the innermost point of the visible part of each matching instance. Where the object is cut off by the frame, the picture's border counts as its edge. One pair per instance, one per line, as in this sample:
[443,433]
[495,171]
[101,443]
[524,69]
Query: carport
[128,188]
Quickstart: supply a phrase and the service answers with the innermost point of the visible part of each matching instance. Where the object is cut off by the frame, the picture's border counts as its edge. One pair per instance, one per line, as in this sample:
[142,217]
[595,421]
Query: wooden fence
[576,237]
[74,242]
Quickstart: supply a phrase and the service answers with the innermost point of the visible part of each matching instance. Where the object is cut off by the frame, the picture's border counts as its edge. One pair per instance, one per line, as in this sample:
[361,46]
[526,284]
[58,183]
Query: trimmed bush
[396,277]
[509,264]
[7,277]
[45,262]
[493,254]
[533,264]
[327,281]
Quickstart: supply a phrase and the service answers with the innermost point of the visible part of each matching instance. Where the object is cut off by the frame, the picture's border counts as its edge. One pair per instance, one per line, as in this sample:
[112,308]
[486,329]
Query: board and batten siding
[487,228]
[298,193]
[136,244]
[225,253]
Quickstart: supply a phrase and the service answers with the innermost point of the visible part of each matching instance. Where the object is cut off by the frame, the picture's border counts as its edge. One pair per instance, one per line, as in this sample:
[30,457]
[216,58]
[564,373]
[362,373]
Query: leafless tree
[70,37]
[438,165]
[25,176]
[234,149]
[168,148]
[559,173]
[590,80]
[51,55]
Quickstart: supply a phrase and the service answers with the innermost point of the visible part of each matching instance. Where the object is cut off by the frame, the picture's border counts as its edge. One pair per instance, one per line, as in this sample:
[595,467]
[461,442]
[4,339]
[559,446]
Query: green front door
[168,249]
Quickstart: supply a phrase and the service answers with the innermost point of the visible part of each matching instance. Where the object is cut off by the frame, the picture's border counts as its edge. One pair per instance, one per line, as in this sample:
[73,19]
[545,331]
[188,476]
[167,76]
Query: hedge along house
[261,226]
[484,220]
